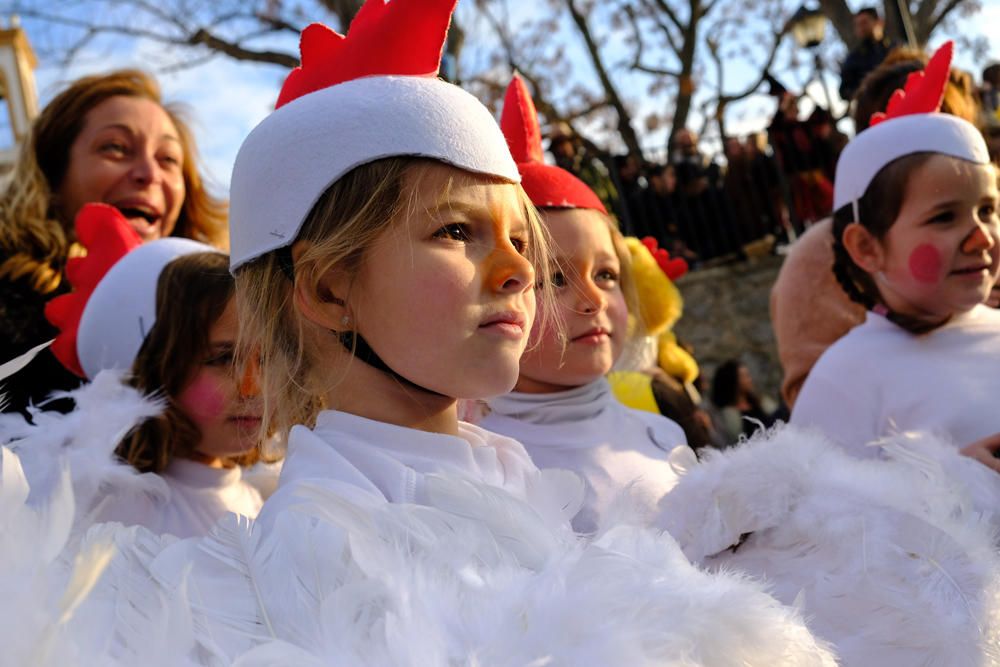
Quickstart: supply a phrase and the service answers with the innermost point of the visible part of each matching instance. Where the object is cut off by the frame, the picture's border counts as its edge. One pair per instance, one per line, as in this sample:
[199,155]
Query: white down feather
[892,560]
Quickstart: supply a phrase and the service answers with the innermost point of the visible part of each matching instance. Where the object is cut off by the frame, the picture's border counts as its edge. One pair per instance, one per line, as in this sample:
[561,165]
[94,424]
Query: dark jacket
[862,59]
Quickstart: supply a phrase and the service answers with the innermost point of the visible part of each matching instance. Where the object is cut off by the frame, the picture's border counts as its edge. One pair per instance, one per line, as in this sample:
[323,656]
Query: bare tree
[926,15]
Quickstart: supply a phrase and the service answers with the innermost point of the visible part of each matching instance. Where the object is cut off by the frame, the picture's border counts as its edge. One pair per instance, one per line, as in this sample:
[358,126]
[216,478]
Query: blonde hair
[35,237]
[341,227]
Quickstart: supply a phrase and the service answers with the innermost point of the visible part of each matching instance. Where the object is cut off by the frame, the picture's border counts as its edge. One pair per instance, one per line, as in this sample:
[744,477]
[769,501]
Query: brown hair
[341,227]
[191,294]
[878,209]
[34,235]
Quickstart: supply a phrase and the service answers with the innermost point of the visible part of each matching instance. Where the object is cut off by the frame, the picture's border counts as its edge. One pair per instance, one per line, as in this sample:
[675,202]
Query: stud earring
[345,320]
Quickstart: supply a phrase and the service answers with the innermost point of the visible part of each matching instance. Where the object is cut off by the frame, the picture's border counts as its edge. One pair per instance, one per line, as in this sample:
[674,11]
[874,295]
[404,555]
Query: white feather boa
[85,441]
[893,561]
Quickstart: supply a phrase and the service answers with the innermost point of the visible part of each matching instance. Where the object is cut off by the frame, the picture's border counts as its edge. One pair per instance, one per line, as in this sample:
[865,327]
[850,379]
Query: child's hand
[985,451]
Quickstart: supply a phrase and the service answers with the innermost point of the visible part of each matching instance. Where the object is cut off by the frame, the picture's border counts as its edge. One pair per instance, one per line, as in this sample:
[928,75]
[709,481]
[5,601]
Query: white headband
[294,155]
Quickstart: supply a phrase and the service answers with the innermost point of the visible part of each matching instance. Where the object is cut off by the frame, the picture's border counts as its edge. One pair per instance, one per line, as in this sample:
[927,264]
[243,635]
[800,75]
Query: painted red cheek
[926,263]
[203,399]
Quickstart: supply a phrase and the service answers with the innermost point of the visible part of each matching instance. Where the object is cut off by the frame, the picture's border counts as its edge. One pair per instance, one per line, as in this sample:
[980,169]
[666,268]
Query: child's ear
[322,301]
[863,247]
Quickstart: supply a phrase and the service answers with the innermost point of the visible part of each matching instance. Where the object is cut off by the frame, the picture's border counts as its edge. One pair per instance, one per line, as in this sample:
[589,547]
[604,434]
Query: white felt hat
[371,94]
[911,124]
[122,308]
[290,159]
[890,140]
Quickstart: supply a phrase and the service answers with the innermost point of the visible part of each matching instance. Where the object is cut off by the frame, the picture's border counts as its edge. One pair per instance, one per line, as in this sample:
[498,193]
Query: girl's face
[589,297]
[128,155]
[941,255]
[446,297]
[226,408]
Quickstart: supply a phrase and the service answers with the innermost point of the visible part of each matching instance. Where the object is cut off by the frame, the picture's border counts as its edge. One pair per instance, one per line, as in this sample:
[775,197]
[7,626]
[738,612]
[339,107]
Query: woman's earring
[345,320]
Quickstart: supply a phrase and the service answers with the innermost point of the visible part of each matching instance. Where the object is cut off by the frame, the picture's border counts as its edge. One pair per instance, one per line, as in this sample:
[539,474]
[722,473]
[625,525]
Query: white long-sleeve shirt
[197,496]
[615,449]
[880,379]
[392,461]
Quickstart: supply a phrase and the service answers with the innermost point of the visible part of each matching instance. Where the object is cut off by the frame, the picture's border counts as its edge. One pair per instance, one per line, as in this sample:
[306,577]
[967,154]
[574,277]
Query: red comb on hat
[547,186]
[415,29]
[108,237]
[923,91]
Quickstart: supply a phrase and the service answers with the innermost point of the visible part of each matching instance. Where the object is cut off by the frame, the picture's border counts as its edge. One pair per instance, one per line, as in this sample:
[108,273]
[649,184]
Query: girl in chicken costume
[917,242]
[893,560]
[163,313]
[384,256]
[562,408]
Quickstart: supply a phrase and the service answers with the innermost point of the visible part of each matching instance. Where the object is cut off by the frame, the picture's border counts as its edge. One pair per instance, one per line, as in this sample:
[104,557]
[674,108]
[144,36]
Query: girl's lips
[508,324]
[594,336]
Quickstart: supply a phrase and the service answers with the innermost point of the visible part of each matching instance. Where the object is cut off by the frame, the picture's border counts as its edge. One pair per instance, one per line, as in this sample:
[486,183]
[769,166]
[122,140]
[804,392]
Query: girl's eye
[607,276]
[221,359]
[520,245]
[455,232]
[987,212]
[942,218]
[558,279]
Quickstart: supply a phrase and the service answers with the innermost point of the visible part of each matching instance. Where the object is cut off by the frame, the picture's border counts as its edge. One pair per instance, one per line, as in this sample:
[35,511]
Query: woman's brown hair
[191,295]
[35,237]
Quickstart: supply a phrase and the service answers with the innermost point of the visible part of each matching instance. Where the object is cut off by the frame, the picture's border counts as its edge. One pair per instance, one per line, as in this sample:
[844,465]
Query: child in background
[166,310]
[916,232]
[562,408]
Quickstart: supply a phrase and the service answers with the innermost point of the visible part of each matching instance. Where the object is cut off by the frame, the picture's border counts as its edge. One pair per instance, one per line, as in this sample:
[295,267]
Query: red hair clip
[108,237]
[674,267]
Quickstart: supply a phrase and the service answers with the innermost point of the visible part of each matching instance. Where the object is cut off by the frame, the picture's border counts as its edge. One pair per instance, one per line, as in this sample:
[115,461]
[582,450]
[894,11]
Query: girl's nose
[249,385]
[590,298]
[510,271]
[980,239]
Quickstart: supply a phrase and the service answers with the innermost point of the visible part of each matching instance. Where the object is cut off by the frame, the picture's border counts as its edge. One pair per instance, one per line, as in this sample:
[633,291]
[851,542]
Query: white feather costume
[50,609]
[185,500]
[893,561]
[475,577]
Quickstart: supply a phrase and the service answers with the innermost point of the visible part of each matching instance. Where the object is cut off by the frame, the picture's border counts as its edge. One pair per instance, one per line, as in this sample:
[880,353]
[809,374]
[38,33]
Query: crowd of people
[411,396]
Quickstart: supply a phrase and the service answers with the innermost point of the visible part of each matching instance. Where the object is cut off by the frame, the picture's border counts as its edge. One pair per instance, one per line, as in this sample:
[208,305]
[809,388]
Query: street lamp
[808,27]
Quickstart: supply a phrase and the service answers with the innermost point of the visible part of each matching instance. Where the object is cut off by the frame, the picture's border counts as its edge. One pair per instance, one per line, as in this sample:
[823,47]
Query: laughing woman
[106,138]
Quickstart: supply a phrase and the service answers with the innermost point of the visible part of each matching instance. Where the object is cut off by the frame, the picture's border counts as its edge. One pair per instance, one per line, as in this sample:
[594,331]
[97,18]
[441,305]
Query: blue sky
[226,99]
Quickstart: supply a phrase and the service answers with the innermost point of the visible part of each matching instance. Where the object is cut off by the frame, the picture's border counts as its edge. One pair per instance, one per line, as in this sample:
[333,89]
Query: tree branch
[232,49]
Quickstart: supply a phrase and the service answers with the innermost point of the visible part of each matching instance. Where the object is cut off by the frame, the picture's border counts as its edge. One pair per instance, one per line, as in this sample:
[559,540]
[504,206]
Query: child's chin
[491,387]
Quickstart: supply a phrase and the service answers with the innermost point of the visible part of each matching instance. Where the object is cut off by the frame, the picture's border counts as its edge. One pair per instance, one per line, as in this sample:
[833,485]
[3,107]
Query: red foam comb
[108,237]
[923,91]
[546,185]
[403,37]
[674,267]
[519,122]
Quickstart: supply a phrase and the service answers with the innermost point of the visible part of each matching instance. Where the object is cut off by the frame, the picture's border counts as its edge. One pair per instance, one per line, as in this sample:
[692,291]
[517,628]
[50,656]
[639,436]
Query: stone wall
[726,316]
